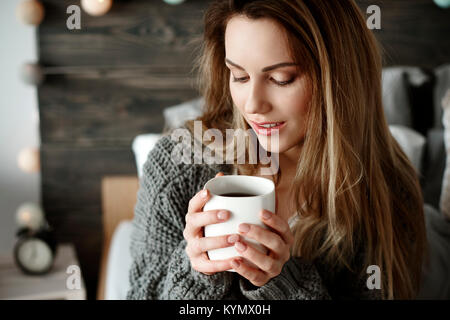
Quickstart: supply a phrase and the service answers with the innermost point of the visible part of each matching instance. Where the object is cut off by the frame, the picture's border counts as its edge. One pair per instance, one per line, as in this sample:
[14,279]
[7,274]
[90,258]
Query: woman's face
[278,94]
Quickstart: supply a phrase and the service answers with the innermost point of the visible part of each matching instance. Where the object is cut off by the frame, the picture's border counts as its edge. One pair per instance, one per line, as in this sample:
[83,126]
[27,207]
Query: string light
[32,73]
[30,12]
[174,2]
[28,160]
[96,7]
[443,3]
[30,215]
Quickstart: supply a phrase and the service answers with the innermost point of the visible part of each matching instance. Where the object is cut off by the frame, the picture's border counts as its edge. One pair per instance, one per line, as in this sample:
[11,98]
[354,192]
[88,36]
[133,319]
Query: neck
[288,162]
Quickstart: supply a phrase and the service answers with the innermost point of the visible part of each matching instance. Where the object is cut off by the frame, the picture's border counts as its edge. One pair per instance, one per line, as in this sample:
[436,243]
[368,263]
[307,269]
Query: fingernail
[222,215]
[240,246]
[243,227]
[235,263]
[266,214]
[204,193]
[233,238]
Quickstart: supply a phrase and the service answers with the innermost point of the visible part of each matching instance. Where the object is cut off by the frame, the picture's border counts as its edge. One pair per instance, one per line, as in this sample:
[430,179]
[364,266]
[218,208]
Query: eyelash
[280,84]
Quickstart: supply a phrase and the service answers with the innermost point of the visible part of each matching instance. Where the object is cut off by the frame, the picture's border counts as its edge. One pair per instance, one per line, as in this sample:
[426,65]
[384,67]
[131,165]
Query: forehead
[261,40]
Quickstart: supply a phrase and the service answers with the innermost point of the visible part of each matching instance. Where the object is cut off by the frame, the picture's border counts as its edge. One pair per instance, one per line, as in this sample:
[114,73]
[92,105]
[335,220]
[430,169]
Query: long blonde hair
[363,192]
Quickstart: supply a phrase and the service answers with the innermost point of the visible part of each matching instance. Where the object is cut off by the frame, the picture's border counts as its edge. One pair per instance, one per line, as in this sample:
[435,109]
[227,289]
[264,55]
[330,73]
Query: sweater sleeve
[298,280]
[160,266]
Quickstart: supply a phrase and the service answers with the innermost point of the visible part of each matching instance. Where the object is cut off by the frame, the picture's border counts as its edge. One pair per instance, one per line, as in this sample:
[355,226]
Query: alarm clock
[34,251]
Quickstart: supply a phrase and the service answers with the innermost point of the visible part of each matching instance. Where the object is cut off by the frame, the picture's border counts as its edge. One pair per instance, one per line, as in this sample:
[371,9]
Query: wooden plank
[412,32]
[132,33]
[153,33]
[71,197]
[71,176]
[88,112]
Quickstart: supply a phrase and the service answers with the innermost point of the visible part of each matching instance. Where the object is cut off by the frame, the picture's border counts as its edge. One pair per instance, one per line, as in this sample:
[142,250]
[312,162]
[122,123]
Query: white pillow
[445,193]
[411,142]
[442,85]
[175,116]
[396,102]
[119,262]
[142,145]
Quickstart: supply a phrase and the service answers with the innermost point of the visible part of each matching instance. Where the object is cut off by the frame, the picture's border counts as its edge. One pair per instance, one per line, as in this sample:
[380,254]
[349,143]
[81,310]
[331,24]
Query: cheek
[297,104]
[237,96]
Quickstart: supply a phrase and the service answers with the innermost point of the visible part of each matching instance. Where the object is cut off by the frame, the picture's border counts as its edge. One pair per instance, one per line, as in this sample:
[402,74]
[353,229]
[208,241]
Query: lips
[261,123]
[267,131]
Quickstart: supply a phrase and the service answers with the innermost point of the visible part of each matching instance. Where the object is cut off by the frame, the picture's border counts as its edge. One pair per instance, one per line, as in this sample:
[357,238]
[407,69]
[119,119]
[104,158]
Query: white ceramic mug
[242,209]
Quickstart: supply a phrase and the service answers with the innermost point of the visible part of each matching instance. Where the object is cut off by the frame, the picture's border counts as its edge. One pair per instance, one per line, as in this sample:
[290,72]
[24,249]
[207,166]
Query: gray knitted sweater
[161,268]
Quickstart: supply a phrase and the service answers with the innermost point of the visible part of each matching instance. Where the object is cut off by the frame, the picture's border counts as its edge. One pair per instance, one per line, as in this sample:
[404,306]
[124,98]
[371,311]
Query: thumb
[219,174]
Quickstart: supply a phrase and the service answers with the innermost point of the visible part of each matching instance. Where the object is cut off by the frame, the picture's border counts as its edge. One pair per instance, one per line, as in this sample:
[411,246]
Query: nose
[257,101]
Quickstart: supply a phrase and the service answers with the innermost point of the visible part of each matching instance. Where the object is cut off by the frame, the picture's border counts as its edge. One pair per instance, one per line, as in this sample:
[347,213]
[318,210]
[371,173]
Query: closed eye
[278,83]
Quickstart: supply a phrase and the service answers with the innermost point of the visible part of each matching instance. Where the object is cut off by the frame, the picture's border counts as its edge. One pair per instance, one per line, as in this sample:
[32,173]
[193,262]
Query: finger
[278,224]
[198,201]
[262,261]
[220,174]
[209,243]
[255,276]
[204,218]
[211,266]
[196,220]
[268,238]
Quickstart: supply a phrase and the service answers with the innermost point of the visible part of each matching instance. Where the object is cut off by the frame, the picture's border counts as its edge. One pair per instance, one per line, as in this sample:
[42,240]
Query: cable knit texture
[161,268]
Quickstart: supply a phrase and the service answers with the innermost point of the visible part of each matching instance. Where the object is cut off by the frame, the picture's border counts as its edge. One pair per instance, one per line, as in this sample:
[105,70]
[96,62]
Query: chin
[266,143]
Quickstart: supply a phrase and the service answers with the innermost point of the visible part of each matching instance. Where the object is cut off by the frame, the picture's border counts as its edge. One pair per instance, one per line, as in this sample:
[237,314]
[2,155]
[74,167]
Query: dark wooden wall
[106,83]
[413,32]
[110,81]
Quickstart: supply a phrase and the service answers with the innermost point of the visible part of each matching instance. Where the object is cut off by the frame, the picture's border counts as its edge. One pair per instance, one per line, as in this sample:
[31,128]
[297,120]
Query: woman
[347,196]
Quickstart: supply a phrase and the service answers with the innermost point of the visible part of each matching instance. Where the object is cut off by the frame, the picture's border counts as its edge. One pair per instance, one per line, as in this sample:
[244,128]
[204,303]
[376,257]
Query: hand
[278,239]
[197,245]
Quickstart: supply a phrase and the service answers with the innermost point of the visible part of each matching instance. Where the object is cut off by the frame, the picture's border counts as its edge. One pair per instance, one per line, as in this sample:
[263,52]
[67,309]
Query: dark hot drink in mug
[244,197]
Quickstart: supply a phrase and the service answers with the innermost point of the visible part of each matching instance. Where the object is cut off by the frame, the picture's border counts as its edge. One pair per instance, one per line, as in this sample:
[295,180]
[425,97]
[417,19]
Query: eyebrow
[269,68]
